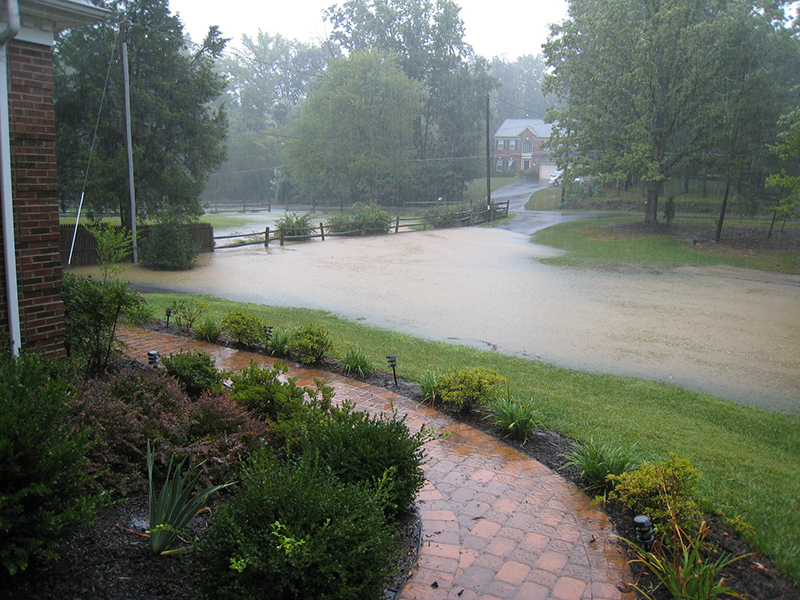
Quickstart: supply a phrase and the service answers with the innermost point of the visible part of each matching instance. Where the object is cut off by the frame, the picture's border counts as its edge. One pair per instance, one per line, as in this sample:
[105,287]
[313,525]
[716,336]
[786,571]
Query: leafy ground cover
[749,457]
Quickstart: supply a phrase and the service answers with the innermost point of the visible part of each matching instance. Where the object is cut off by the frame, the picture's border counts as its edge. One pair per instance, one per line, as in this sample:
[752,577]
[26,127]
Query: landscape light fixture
[392,358]
[169,314]
[644,531]
[152,358]
[268,333]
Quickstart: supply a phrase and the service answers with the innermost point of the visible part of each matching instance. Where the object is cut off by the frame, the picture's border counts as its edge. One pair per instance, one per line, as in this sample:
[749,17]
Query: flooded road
[729,332]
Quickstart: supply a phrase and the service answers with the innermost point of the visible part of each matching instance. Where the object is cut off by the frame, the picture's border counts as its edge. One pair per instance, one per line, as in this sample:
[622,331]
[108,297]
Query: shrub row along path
[495,523]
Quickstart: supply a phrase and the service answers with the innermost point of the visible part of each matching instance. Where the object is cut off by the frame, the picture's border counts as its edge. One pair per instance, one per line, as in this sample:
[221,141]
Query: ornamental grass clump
[355,363]
[514,417]
[598,463]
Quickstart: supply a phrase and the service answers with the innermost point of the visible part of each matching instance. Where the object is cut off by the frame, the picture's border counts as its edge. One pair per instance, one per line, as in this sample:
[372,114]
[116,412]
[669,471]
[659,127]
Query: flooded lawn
[729,332]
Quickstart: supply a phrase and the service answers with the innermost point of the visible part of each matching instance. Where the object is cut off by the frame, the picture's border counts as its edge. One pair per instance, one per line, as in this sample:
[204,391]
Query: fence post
[283,231]
[266,238]
[322,231]
[397,224]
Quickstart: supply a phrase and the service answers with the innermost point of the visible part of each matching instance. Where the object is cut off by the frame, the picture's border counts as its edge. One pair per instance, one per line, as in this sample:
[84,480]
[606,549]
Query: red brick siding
[34,176]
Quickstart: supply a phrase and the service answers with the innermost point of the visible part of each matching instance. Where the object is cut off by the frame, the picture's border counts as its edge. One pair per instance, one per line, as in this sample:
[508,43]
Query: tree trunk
[686,180]
[722,212]
[651,205]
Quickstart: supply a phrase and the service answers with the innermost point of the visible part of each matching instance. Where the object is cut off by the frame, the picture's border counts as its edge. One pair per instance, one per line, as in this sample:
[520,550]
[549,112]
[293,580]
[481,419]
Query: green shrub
[114,244]
[43,474]
[91,312]
[139,314]
[363,219]
[186,311]
[665,491]
[377,451]
[442,216]
[469,389]
[261,391]
[208,330]
[296,227]
[195,371]
[121,412]
[669,209]
[355,363]
[169,247]
[295,531]
[515,418]
[309,344]
[244,327]
[598,462]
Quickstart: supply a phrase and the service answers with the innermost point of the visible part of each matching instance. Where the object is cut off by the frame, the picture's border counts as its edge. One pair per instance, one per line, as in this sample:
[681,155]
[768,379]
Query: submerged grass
[749,457]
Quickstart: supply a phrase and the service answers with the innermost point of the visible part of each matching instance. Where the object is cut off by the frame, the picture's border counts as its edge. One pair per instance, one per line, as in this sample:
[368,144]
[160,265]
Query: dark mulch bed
[110,560]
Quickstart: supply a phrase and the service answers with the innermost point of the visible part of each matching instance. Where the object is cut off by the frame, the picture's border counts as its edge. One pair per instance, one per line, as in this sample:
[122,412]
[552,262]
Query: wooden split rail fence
[472,216]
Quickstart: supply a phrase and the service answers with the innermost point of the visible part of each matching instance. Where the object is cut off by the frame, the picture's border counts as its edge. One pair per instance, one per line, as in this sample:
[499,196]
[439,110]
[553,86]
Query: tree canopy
[355,133]
[178,132]
[647,85]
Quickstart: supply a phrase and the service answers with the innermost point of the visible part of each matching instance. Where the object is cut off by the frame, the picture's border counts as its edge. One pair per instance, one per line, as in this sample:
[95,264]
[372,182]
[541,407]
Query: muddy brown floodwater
[729,332]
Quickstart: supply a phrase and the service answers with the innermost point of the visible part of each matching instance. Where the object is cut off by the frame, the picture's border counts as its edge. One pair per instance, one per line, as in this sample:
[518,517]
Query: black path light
[644,531]
[392,358]
[152,358]
[169,314]
[268,333]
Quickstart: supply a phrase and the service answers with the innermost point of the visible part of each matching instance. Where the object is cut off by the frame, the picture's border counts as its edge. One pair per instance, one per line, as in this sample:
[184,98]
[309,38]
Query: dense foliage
[195,371]
[309,344]
[43,474]
[177,132]
[169,246]
[362,219]
[294,530]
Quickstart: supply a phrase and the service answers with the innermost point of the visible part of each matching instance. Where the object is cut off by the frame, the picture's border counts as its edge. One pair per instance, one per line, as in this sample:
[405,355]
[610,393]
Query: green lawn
[611,241]
[750,458]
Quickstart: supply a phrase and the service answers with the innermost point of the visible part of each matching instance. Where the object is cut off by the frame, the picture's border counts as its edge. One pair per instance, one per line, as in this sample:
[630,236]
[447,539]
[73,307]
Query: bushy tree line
[655,89]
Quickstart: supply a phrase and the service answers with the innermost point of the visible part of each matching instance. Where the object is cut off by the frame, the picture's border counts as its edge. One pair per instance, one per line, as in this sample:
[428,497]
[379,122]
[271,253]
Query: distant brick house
[31,311]
[519,146]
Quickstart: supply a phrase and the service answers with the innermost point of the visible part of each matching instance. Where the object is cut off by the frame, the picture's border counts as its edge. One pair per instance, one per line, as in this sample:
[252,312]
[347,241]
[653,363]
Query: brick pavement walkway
[495,523]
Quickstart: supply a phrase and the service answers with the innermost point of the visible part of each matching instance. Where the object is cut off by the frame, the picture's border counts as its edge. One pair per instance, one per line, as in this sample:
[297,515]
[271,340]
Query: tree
[268,79]
[520,92]
[427,40]
[788,179]
[637,78]
[178,134]
[355,133]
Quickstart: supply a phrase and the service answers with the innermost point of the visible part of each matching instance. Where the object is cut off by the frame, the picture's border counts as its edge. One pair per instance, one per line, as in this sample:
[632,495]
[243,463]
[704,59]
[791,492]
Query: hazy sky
[510,28]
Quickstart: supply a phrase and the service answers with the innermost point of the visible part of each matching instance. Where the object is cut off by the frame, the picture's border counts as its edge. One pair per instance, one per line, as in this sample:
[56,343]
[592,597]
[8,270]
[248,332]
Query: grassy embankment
[750,458]
[617,240]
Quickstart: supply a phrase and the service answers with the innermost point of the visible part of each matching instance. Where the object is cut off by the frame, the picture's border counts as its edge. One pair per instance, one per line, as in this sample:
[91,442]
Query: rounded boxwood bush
[378,451]
[309,344]
[295,531]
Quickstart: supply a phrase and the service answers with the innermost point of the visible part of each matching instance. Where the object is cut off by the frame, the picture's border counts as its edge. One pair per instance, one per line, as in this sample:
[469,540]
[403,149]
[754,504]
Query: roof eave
[63,14]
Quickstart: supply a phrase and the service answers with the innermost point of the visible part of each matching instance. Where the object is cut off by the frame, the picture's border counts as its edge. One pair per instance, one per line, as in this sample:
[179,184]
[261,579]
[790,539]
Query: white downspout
[6,191]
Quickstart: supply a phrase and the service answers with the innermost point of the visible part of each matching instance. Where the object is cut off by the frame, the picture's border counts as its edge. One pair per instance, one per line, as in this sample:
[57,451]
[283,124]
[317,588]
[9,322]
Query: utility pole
[488,164]
[128,143]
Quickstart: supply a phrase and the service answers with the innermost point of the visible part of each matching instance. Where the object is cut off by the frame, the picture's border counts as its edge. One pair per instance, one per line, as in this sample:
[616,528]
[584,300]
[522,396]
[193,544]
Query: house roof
[515,127]
[57,14]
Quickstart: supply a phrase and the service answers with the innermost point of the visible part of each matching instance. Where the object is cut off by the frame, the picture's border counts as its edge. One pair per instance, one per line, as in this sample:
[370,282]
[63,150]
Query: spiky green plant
[175,506]
[515,417]
[596,462]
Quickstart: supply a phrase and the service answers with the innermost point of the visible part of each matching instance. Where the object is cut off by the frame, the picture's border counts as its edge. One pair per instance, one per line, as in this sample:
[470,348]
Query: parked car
[555,178]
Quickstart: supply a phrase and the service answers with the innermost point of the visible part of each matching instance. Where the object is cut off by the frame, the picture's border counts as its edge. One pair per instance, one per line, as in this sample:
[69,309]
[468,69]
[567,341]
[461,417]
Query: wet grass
[618,241]
[749,457]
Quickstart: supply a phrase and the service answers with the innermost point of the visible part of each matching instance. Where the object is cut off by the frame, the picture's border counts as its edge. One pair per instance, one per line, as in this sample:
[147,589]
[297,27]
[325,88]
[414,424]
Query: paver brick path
[495,523]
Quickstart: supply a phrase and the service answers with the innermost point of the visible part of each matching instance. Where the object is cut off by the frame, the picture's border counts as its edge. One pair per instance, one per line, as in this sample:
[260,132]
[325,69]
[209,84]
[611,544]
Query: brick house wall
[34,181]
